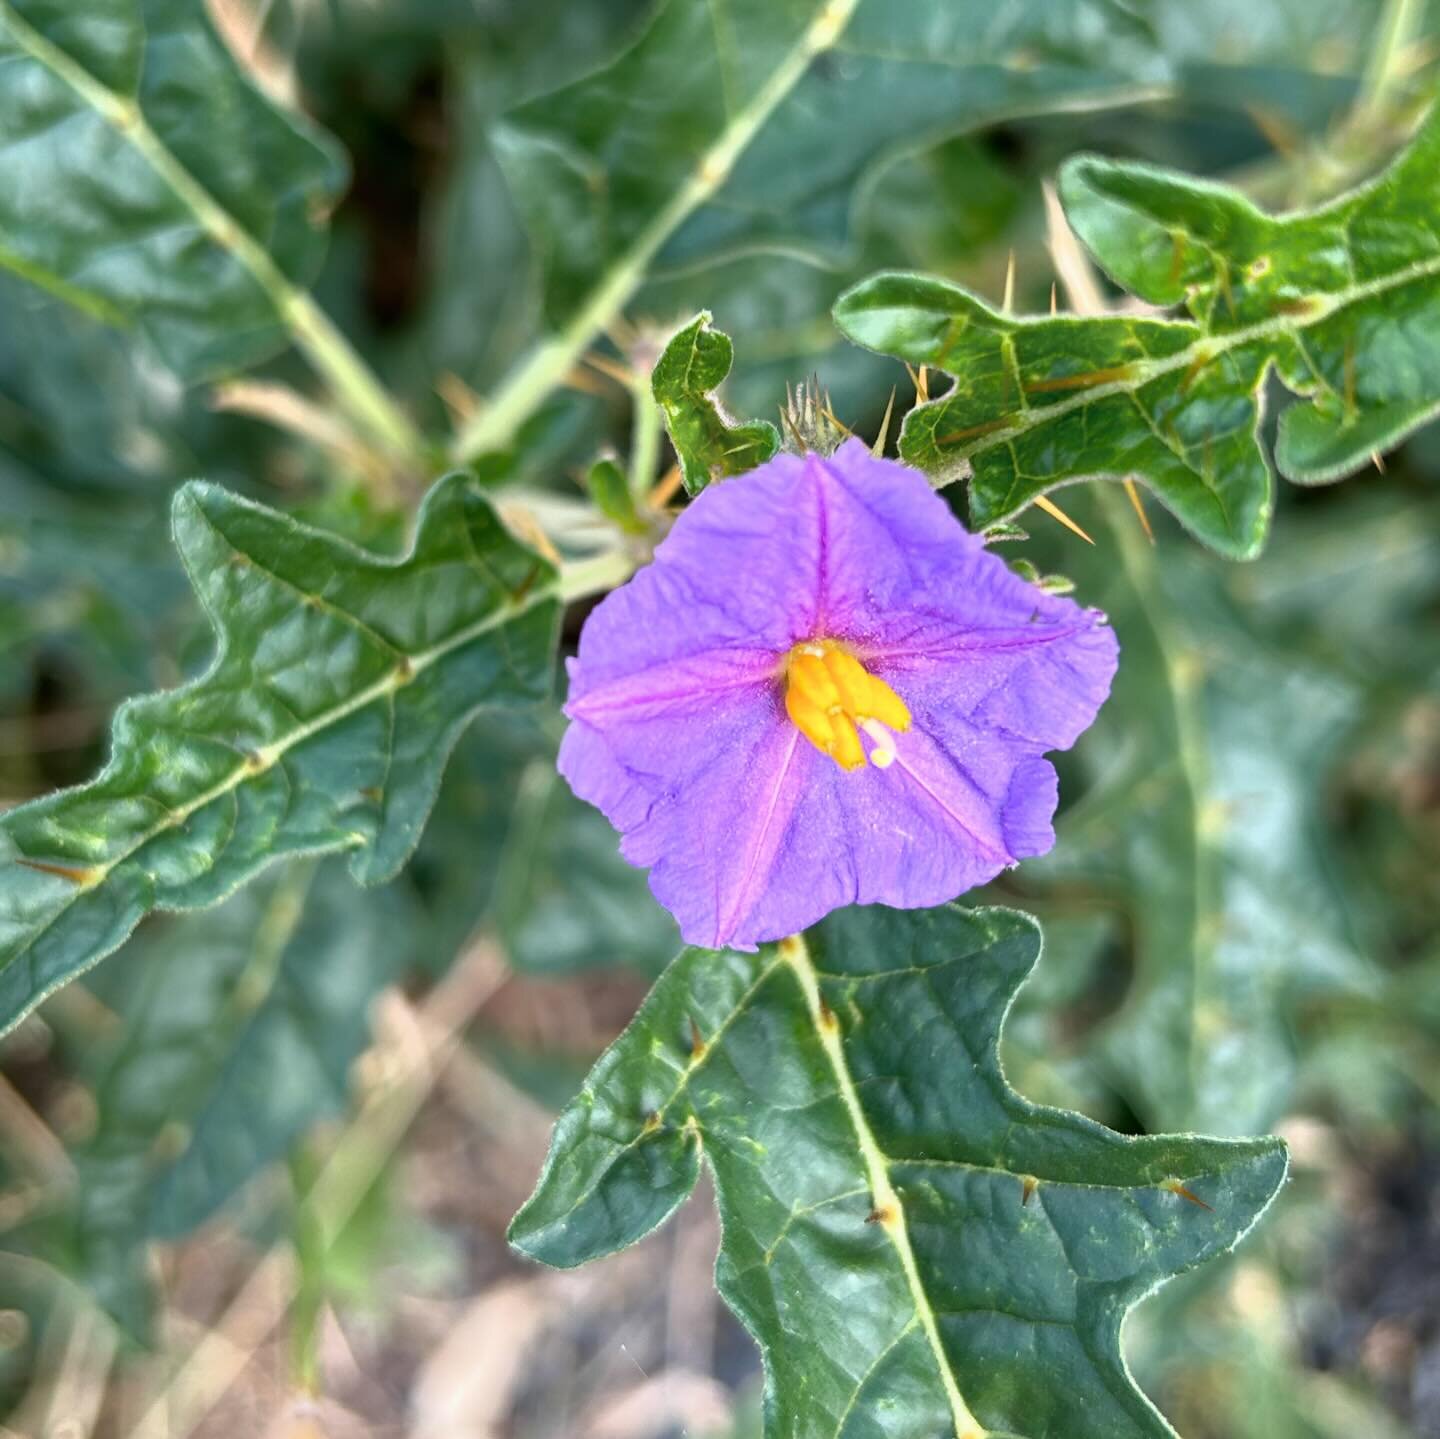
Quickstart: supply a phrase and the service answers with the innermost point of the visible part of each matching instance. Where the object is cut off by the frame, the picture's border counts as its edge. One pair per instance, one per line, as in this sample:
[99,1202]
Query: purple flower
[825,691]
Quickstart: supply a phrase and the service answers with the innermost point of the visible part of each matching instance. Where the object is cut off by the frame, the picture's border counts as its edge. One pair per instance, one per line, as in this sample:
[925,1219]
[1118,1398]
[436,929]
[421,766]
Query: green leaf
[784,107]
[708,443]
[239,1030]
[1342,302]
[145,180]
[917,1249]
[1200,826]
[340,684]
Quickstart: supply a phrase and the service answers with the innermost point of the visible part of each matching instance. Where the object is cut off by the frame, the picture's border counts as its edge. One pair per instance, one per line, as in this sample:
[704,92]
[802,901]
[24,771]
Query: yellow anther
[886,706]
[810,719]
[811,676]
[832,699]
[848,753]
[852,681]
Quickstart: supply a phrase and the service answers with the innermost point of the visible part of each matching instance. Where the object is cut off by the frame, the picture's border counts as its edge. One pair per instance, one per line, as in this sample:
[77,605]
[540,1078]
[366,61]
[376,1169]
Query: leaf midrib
[355,387]
[264,759]
[1208,346]
[877,1171]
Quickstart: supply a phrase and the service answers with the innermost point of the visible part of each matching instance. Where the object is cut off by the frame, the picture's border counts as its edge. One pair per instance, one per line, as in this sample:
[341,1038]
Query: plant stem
[644,441]
[548,366]
[354,385]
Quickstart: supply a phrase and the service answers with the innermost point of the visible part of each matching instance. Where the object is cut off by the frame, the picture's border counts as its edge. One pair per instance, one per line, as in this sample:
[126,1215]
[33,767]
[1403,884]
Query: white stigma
[883,755]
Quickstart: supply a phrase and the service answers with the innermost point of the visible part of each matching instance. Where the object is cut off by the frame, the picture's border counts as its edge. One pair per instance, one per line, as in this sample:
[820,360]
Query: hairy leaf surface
[1342,302]
[339,687]
[918,1250]
[145,180]
[709,444]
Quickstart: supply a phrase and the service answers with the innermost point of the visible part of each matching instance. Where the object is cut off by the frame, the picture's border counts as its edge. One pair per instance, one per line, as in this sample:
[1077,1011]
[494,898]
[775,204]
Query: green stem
[492,426]
[355,387]
[1398,28]
[644,442]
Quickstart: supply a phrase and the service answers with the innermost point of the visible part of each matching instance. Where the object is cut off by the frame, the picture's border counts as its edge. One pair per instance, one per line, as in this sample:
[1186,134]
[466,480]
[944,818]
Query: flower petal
[703,796]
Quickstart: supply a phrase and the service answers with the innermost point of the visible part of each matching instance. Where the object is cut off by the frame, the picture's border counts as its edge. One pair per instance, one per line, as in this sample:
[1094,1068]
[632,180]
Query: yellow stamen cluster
[832,699]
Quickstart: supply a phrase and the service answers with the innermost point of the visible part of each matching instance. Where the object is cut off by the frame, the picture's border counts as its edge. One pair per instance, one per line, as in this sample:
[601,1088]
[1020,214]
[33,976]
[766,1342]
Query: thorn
[988,427]
[579,378]
[827,1016]
[697,1042]
[1045,503]
[1133,490]
[1175,1187]
[881,1214]
[652,1122]
[83,875]
[405,669]
[1008,303]
[612,369]
[457,397]
[1377,460]
[1349,377]
[1275,130]
[1028,1185]
[878,448]
[1080,382]
[665,488]
[1054,301]
[786,420]
[923,385]
[834,419]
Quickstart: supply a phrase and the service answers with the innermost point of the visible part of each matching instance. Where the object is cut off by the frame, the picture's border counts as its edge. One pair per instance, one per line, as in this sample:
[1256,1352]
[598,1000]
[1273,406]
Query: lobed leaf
[1341,302]
[918,1250]
[144,179]
[339,686]
[708,443]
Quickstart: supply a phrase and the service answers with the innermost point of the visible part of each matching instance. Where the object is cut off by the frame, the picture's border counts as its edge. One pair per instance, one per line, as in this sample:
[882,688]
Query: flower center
[833,699]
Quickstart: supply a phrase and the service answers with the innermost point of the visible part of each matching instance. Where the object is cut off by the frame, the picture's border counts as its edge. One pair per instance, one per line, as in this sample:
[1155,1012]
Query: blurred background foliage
[255,1170]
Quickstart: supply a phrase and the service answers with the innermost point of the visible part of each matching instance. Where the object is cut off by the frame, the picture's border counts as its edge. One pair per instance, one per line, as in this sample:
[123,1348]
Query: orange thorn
[1175,1187]
[1133,490]
[1055,512]
[697,1043]
[881,1214]
[1008,303]
[1028,1185]
[665,488]
[878,448]
[612,369]
[1054,301]
[1377,460]
[83,875]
